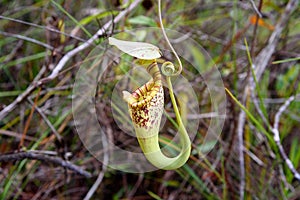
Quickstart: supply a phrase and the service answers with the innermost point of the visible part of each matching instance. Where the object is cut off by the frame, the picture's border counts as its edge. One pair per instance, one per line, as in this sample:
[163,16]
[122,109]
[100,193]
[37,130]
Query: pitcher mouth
[142,95]
[146,102]
[146,92]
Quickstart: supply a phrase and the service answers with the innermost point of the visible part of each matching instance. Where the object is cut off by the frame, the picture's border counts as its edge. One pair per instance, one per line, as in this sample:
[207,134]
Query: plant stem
[184,137]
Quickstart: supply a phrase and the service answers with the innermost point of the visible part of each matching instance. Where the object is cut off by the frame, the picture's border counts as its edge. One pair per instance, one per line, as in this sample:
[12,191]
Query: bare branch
[281,110]
[53,129]
[16,135]
[255,101]
[22,96]
[42,27]
[45,158]
[240,136]
[256,9]
[21,37]
[264,56]
[276,137]
[104,166]
[280,100]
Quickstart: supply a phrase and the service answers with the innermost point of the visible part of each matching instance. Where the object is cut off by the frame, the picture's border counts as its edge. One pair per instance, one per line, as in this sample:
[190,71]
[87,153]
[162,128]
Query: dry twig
[240,138]
[263,58]
[42,27]
[53,129]
[101,174]
[276,136]
[21,37]
[45,158]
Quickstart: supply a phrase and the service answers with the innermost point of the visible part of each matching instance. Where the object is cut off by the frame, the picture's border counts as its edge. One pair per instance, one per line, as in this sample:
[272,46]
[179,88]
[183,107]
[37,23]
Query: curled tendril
[168,69]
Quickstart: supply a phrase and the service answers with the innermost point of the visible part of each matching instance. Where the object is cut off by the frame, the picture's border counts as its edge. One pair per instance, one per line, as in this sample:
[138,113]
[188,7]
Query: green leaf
[285,82]
[295,153]
[294,156]
[139,50]
[154,196]
[9,93]
[285,60]
[142,20]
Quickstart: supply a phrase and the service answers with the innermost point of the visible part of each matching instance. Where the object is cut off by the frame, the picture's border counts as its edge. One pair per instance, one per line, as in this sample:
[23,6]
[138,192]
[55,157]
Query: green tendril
[178,71]
[168,68]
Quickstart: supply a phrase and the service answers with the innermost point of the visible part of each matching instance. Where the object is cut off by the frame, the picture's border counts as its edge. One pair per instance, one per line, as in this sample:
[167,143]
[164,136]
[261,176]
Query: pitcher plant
[146,105]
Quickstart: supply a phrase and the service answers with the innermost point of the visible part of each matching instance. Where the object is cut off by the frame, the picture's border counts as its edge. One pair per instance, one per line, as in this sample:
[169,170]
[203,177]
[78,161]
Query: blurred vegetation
[219,26]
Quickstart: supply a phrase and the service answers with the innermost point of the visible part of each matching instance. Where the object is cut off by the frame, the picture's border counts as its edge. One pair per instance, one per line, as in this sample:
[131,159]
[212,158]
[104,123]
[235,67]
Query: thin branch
[136,186]
[58,136]
[203,36]
[254,157]
[22,96]
[95,185]
[256,9]
[21,37]
[28,120]
[240,136]
[16,135]
[64,60]
[276,137]
[281,110]
[13,52]
[264,56]
[45,158]
[42,27]
[280,100]
[255,101]
[258,15]
[104,166]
